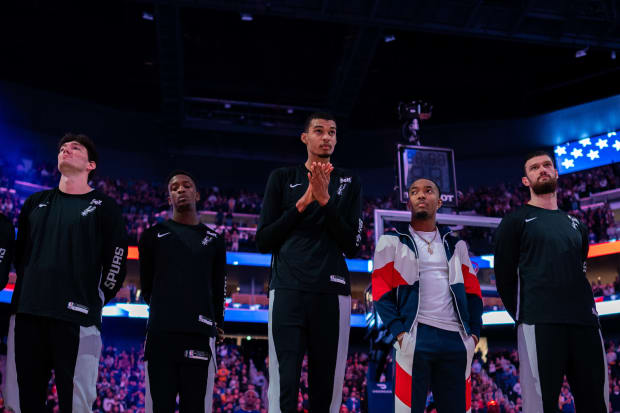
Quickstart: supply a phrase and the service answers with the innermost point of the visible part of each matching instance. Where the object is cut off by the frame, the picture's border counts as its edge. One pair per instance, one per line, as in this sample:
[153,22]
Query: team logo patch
[574,222]
[343,184]
[337,279]
[92,207]
[205,320]
[207,239]
[77,307]
[198,355]
[358,238]
[341,189]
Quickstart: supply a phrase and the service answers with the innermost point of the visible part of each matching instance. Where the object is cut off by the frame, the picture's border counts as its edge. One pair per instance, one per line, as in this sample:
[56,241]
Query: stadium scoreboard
[416,162]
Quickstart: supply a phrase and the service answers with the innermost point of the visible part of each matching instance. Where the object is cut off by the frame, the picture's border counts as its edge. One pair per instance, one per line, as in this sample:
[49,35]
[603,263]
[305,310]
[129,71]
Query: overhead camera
[411,113]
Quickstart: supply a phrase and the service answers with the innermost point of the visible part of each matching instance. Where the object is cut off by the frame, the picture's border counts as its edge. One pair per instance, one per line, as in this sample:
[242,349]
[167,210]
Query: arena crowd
[241,382]
[145,203]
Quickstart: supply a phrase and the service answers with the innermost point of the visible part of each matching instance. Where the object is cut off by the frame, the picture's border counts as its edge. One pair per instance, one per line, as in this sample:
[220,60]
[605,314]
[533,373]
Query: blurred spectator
[249,403]
[566,402]
[614,399]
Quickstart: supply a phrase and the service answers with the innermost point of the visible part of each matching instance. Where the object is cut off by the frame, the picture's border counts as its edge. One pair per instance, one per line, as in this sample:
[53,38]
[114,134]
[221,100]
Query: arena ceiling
[260,66]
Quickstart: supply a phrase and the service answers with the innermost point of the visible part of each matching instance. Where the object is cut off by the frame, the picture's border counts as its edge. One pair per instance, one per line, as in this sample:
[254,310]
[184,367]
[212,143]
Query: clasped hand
[318,184]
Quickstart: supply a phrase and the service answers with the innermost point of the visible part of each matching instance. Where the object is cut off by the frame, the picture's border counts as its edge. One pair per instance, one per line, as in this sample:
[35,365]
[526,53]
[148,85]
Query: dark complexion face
[182,193]
[424,200]
[320,138]
[540,175]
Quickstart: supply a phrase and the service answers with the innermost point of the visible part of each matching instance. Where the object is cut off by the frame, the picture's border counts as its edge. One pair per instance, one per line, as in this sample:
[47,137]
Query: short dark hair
[86,142]
[317,115]
[428,179]
[181,172]
[536,153]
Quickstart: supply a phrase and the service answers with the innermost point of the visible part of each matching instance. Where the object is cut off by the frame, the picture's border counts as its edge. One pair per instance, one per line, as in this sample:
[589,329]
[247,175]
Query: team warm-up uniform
[436,300]
[183,277]
[310,292]
[540,267]
[7,251]
[70,261]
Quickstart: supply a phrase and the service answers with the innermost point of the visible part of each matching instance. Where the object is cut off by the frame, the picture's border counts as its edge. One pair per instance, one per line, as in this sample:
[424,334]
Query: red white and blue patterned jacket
[396,281]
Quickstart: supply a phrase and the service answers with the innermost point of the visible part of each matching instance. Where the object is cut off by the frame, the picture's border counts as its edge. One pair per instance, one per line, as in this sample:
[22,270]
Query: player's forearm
[506,264]
[115,271]
[146,280]
[23,232]
[270,236]
[147,265]
[346,230]
[507,288]
[219,284]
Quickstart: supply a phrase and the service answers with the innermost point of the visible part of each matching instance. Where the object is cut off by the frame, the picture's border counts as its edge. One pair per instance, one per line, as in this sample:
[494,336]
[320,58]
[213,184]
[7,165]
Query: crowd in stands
[145,203]
[605,290]
[239,385]
[241,382]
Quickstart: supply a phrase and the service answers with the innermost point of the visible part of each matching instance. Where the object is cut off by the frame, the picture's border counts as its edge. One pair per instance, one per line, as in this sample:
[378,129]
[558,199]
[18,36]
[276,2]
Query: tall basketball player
[309,221]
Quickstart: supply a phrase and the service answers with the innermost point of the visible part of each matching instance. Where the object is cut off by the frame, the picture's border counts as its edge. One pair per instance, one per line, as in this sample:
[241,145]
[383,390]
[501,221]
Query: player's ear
[525,181]
[439,203]
[169,200]
[304,138]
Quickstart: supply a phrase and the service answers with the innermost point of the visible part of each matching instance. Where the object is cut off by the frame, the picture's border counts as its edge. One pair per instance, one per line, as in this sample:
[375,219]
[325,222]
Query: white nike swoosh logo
[162,235]
[42,205]
[293,186]
[530,219]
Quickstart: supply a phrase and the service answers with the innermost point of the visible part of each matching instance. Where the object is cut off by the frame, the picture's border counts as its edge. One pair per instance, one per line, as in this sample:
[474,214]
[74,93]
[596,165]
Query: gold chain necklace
[429,248]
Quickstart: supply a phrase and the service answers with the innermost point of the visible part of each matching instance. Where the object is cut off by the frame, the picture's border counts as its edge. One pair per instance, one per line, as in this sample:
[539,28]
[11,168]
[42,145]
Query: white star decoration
[616,145]
[585,142]
[560,150]
[602,143]
[592,155]
[568,163]
[576,153]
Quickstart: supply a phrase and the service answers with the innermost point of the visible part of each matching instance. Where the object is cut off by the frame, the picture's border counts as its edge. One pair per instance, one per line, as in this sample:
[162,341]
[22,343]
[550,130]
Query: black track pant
[547,352]
[71,350]
[183,365]
[318,323]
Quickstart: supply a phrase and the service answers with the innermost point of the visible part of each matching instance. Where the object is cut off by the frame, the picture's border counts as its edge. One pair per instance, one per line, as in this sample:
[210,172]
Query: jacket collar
[402,228]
